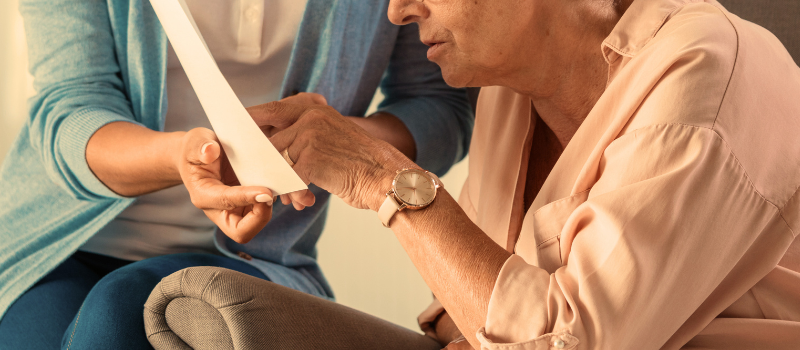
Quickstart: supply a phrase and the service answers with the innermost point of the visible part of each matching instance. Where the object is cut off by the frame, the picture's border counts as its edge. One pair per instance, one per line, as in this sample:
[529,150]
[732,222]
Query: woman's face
[478,42]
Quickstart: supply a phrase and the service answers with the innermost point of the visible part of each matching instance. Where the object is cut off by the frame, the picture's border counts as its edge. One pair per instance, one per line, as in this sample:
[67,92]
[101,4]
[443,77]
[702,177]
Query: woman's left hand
[333,152]
[459,343]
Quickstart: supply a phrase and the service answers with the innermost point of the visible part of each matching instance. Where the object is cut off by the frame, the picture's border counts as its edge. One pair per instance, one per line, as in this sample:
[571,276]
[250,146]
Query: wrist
[175,157]
[382,179]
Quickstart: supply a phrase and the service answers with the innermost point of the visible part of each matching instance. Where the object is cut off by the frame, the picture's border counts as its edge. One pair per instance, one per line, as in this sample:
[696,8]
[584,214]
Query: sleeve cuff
[550,341]
[518,316]
[73,137]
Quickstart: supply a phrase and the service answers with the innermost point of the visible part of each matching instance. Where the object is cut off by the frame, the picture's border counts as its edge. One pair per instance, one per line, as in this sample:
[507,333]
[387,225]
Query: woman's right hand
[459,343]
[241,212]
[448,333]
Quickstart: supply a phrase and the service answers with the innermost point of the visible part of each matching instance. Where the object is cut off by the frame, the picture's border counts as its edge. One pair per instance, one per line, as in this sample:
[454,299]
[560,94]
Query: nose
[402,12]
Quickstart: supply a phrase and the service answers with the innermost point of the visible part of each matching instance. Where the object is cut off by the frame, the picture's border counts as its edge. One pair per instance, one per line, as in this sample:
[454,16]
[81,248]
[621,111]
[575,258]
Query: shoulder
[689,63]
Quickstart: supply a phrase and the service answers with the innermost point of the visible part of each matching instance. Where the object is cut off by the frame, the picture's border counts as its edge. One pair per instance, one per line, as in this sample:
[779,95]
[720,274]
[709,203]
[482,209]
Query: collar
[639,24]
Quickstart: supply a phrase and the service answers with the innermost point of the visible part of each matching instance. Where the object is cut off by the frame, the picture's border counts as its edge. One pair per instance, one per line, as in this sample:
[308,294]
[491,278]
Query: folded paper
[254,159]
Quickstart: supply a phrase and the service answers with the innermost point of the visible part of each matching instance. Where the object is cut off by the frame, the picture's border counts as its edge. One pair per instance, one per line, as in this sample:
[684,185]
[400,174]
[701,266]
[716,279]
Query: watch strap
[388,209]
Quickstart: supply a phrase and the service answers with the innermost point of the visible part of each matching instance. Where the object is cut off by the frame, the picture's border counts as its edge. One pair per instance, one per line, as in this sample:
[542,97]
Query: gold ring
[288,159]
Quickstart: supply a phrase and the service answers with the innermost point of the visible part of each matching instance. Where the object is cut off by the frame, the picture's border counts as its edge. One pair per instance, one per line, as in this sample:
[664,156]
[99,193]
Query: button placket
[251,22]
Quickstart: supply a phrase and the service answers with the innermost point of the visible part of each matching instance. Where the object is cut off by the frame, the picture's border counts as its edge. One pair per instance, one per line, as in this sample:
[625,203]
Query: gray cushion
[781,17]
[215,308]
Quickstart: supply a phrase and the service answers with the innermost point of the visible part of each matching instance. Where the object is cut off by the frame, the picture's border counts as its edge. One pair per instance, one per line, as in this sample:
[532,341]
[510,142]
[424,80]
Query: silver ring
[288,159]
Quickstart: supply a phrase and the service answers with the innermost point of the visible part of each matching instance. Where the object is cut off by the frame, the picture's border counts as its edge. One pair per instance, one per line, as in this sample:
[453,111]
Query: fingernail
[264,198]
[204,148]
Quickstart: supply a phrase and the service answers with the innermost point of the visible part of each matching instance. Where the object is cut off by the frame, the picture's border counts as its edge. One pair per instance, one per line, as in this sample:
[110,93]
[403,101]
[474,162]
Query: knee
[127,284]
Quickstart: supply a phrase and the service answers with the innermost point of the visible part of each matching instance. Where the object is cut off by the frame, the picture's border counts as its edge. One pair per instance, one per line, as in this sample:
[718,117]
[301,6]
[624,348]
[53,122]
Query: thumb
[209,152]
[202,146]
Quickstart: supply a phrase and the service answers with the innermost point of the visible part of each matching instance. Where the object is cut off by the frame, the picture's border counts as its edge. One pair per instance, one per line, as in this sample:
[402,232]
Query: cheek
[482,40]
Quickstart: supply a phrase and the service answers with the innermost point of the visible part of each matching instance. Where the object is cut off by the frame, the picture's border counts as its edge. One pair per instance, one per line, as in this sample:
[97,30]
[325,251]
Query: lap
[111,316]
[37,319]
[90,302]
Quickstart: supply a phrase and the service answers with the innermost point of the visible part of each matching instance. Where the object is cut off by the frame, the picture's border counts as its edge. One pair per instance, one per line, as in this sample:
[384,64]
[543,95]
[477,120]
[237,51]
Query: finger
[202,147]
[280,114]
[459,344]
[304,198]
[285,200]
[212,194]
[284,138]
[209,152]
[295,137]
[306,98]
[242,224]
[319,99]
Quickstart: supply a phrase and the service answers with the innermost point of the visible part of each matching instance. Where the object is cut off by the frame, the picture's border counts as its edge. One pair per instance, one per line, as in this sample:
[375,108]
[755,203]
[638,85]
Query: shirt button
[252,14]
[247,257]
[559,344]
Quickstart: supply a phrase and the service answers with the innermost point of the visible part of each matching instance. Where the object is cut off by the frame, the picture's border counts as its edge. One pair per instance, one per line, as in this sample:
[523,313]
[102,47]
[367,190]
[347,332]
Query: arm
[132,160]
[641,255]
[89,140]
[633,274]
[76,75]
[391,129]
[316,136]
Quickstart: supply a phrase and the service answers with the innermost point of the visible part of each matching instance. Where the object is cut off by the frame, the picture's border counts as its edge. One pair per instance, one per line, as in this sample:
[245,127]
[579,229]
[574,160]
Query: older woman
[633,177]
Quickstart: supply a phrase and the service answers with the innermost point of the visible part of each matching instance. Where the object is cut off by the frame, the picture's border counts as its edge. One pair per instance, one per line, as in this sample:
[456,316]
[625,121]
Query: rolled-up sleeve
[670,223]
[79,88]
[438,116]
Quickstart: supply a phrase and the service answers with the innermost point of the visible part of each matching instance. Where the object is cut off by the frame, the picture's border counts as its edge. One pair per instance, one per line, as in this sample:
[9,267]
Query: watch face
[414,187]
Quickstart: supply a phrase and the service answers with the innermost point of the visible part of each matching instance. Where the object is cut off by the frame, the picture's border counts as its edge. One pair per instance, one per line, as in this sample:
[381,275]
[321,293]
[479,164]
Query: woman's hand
[303,198]
[459,343]
[446,330]
[333,152]
[240,212]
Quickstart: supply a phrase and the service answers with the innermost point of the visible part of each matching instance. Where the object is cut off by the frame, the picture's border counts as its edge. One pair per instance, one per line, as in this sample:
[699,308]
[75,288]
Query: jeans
[93,301]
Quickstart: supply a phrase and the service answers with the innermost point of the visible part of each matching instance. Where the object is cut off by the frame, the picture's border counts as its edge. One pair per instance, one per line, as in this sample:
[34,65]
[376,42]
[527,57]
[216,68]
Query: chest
[539,239]
[246,31]
[545,149]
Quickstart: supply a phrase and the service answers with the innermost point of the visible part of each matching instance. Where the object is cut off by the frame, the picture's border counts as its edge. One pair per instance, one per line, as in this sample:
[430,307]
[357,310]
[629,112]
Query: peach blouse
[670,220]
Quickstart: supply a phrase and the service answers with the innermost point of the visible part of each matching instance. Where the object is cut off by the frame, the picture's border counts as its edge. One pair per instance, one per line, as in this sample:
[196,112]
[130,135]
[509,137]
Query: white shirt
[251,40]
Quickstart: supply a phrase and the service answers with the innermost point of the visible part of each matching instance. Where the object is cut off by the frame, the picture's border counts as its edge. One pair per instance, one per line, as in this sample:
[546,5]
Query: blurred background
[363,261]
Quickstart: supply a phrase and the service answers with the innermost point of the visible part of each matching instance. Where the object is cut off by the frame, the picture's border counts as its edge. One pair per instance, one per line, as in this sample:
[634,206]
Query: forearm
[391,129]
[457,260]
[132,160]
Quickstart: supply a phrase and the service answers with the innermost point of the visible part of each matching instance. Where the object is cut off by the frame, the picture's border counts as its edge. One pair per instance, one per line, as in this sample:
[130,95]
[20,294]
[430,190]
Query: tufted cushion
[216,308]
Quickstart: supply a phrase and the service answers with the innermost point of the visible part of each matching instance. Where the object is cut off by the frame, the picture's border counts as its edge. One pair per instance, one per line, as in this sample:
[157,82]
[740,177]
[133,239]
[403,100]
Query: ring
[288,159]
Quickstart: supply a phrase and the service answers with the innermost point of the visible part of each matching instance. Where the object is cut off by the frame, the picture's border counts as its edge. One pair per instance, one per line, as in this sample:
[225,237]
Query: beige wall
[364,262]
[15,84]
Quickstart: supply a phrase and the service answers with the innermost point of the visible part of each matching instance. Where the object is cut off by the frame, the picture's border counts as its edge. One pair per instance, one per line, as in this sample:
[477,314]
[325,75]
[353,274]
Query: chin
[455,77]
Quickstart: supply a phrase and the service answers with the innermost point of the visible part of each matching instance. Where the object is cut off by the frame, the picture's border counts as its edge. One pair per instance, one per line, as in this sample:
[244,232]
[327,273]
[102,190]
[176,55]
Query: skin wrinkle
[550,53]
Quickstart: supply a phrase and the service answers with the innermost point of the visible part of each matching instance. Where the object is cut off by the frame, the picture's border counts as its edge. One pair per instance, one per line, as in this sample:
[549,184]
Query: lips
[434,48]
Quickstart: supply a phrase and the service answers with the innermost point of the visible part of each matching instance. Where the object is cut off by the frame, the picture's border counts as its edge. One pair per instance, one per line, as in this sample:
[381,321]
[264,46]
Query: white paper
[254,159]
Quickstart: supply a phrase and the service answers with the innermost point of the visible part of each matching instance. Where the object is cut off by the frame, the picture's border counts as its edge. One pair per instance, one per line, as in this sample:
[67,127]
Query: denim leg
[112,314]
[37,319]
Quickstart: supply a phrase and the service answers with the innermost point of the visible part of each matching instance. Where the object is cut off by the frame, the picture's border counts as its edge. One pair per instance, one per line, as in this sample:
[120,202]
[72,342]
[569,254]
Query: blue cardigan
[101,61]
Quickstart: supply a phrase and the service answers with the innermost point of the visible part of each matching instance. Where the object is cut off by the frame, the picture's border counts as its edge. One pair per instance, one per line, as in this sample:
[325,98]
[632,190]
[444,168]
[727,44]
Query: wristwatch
[411,189]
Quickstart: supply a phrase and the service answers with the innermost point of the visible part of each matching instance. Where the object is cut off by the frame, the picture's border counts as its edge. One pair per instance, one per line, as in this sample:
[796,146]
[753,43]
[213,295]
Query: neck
[575,76]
